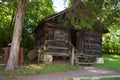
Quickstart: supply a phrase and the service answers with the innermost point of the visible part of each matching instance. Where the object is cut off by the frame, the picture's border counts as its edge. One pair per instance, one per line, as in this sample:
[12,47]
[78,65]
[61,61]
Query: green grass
[110,78]
[45,68]
[111,62]
[38,69]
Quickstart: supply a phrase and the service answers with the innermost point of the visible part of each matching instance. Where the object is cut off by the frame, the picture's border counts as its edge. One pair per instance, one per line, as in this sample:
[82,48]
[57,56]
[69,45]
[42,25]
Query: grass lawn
[38,69]
[111,62]
[110,78]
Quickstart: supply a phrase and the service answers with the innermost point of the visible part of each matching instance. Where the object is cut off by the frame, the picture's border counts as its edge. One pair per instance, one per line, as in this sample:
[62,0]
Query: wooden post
[6,54]
[21,56]
[39,55]
[72,56]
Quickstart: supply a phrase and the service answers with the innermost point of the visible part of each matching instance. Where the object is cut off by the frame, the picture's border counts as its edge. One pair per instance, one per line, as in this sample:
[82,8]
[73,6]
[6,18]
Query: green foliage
[104,14]
[111,41]
[35,12]
[83,15]
[112,62]
[6,22]
[89,12]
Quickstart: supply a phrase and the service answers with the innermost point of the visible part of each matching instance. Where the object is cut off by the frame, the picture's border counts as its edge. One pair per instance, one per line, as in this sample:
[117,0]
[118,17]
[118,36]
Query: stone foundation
[48,58]
[100,60]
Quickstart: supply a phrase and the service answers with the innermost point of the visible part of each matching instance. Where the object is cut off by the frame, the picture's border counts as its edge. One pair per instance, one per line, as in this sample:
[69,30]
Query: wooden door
[79,42]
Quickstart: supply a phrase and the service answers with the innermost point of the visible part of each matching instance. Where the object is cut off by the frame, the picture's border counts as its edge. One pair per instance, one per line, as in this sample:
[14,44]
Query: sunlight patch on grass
[36,67]
[112,59]
[2,65]
[116,56]
[111,62]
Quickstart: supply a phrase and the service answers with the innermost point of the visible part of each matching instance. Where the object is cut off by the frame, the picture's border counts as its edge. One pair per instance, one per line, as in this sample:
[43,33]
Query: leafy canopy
[35,11]
[100,13]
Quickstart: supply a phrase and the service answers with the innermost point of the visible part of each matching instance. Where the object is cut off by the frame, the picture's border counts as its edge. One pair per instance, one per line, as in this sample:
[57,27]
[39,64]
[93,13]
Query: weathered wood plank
[92,50]
[59,26]
[57,47]
[57,54]
[84,63]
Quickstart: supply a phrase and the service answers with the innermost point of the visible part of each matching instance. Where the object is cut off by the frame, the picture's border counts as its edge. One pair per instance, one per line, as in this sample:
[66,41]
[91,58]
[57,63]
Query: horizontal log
[56,41]
[92,44]
[57,54]
[92,55]
[57,44]
[58,26]
[79,54]
[57,47]
[92,50]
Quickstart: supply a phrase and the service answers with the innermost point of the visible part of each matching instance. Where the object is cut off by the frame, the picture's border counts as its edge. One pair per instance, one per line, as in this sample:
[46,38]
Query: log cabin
[57,38]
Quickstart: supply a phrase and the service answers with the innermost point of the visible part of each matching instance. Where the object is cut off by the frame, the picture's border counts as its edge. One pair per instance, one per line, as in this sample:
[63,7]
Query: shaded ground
[82,72]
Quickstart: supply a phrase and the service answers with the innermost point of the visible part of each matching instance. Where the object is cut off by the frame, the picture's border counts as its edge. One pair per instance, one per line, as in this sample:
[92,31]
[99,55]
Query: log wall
[57,47]
[40,38]
[45,36]
[92,43]
[87,42]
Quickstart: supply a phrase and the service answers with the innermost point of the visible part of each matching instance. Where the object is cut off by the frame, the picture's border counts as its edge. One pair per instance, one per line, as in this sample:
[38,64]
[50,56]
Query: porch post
[72,56]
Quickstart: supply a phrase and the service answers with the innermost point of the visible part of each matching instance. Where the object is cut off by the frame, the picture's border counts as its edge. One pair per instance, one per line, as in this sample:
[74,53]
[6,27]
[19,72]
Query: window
[59,35]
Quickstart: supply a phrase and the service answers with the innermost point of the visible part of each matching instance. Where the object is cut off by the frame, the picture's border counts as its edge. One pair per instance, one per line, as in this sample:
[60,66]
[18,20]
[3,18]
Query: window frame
[59,35]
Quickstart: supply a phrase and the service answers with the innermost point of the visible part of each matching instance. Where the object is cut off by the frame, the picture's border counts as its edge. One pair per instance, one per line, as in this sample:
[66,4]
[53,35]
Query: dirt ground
[82,72]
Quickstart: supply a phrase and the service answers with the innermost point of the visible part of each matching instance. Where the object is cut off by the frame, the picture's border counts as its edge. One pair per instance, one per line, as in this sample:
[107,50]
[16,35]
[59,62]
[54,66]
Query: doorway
[73,38]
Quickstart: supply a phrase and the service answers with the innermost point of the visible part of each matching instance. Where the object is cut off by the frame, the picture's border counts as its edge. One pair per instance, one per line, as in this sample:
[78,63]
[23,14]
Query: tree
[103,13]
[7,17]
[111,40]
[36,10]
[14,52]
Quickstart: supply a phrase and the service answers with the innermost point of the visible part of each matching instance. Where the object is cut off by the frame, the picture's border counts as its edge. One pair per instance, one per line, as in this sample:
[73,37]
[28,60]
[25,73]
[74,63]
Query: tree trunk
[14,52]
